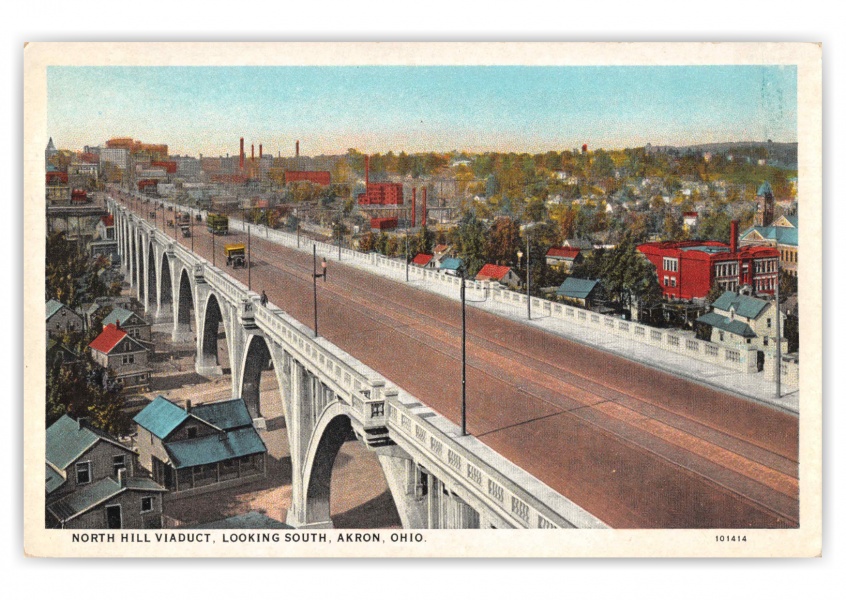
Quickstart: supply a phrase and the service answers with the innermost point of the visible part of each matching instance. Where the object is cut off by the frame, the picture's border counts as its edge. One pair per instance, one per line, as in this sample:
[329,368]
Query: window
[666,281]
[766,341]
[146,504]
[672,282]
[671,264]
[83,473]
[769,322]
[722,336]
[119,462]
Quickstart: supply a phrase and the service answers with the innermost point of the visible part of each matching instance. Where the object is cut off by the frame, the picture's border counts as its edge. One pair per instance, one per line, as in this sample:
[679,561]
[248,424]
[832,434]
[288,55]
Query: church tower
[766,205]
[49,152]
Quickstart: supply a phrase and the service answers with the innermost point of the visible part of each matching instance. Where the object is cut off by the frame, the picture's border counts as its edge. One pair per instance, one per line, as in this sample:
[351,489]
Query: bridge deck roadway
[637,447]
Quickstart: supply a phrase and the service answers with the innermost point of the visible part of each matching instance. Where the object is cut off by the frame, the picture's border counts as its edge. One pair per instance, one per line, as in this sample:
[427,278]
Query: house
[201,448]
[59,353]
[579,291]
[441,252]
[739,320]
[90,481]
[451,266]
[422,260]
[500,273]
[125,356]
[130,322]
[61,319]
[564,257]
[583,245]
[690,220]
[106,227]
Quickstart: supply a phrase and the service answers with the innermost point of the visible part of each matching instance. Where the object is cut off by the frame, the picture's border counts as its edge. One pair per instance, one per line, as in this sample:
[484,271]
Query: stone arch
[133,261]
[182,326]
[152,280]
[142,262]
[212,320]
[166,285]
[331,431]
[259,360]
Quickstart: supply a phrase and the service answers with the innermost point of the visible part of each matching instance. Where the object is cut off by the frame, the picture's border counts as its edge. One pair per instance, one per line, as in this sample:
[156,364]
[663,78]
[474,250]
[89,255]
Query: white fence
[671,340]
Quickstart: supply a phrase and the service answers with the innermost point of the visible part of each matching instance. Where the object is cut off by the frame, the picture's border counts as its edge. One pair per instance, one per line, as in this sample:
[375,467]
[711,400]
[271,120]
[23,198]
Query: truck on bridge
[218,224]
[235,256]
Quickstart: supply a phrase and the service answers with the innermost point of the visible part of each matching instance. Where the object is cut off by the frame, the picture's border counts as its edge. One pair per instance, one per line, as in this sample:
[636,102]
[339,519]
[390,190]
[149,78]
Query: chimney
[423,216]
[414,207]
[297,149]
[82,422]
[122,477]
[117,323]
[367,170]
[252,151]
[733,241]
[241,155]
[187,406]
[260,150]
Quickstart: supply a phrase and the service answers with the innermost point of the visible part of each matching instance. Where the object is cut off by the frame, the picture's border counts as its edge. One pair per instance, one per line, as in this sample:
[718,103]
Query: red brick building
[688,270]
[382,193]
[318,177]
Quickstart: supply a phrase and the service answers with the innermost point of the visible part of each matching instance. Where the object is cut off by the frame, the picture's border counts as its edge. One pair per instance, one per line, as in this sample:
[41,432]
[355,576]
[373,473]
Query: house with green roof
[579,291]
[136,327]
[90,480]
[197,449]
[61,319]
[739,320]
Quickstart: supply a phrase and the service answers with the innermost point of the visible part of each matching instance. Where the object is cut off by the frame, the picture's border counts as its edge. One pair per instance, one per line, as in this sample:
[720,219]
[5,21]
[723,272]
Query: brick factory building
[318,177]
[379,193]
[688,270]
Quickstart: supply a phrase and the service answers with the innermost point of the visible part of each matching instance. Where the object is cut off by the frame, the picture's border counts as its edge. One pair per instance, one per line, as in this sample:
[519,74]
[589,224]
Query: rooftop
[573,287]
[744,306]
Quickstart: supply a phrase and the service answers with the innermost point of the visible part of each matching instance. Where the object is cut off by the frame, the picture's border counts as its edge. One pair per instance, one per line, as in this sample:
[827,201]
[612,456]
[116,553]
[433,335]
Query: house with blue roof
[197,449]
[579,291]
[450,266]
[738,320]
[90,481]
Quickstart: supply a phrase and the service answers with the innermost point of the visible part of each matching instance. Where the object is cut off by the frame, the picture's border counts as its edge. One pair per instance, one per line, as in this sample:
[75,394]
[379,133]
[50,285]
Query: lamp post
[406,251]
[298,233]
[315,275]
[214,264]
[191,225]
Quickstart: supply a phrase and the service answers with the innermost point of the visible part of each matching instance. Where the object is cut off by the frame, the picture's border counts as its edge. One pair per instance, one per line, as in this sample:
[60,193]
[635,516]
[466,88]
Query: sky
[380,108]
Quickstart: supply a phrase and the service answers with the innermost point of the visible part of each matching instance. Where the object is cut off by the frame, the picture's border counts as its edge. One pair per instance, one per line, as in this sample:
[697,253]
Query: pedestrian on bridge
[263,298]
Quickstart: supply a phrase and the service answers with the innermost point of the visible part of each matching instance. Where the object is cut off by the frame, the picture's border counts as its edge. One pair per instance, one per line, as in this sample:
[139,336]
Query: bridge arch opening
[152,283]
[166,293]
[186,301]
[259,385]
[215,352]
[342,461]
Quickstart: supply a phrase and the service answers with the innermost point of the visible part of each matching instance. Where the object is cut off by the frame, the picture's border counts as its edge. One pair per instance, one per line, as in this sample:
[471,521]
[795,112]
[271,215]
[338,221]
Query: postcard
[422,299]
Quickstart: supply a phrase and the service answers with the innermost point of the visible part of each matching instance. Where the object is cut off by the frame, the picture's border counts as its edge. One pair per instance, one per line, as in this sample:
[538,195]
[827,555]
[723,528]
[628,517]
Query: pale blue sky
[375,109]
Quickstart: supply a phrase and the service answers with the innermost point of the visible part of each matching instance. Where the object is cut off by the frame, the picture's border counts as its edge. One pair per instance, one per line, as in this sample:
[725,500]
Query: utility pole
[213,259]
[778,327]
[249,260]
[315,275]
[463,357]
[406,250]
[528,274]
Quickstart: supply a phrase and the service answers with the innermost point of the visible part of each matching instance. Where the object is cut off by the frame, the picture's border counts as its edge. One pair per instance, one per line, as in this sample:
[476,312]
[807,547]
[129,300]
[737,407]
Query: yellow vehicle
[235,255]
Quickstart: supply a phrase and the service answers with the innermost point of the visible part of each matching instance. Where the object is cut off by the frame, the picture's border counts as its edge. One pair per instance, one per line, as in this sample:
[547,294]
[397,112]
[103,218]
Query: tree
[471,242]
[503,242]
[627,276]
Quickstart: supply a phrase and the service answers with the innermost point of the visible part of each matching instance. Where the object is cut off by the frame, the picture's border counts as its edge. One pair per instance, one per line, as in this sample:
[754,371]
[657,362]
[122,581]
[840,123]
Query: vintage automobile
[235,255]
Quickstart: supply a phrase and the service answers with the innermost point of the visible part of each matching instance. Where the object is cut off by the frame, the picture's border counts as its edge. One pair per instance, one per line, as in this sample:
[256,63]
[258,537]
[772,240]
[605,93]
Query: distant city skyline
[205,110]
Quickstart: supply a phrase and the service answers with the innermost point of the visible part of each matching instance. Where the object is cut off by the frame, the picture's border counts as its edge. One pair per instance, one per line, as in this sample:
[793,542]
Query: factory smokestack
[414,207]
[423,217]
[252,151]
[297,149]
[260,150]
[367,170]
[241,155]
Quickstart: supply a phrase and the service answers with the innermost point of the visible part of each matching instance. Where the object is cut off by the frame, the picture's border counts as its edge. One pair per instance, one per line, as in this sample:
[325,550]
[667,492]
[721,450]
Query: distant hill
[781,154]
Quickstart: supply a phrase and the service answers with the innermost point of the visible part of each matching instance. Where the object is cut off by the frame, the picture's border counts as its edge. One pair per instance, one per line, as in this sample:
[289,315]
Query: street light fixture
[528,273]
[463,355]
[249,260]
[315,275]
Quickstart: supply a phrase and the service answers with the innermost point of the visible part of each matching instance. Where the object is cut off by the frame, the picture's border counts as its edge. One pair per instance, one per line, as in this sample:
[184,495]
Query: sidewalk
[754,387]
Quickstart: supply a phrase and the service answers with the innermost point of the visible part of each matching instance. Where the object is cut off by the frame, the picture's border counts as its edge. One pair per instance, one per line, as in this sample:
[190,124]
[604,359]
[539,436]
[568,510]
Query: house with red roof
[422,260]
[564,257]
[500,273]
[125,356]
[441,253]
[106,227]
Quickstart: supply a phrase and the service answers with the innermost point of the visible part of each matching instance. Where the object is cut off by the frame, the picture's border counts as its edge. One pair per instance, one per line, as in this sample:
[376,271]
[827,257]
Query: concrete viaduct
[438,478]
